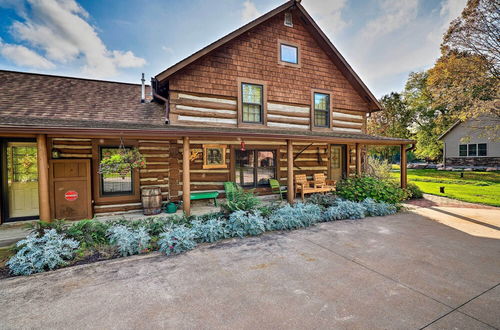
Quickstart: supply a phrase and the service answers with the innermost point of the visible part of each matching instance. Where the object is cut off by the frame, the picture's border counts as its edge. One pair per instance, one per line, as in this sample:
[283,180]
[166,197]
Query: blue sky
[383,40]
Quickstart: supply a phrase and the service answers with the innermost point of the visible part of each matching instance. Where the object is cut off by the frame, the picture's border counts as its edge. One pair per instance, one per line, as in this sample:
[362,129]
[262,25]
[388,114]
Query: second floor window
[289,54]
[321,110]
[252,99]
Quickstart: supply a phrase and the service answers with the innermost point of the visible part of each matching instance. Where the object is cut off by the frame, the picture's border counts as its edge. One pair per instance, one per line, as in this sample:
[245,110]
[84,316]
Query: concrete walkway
[474,219]
[397,272]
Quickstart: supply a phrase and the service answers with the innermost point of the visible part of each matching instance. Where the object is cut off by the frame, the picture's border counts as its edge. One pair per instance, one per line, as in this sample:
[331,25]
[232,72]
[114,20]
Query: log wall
[159,164]
[207,109]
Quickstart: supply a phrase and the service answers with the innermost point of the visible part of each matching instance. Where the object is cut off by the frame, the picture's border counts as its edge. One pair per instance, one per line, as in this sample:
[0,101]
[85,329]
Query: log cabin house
[270,100]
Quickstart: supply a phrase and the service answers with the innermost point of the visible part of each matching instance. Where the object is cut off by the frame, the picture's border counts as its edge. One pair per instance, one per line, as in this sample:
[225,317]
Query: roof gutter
[171,133]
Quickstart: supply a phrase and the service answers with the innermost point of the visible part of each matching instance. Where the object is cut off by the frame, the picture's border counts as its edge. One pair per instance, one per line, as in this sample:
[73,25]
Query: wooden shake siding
[253,56]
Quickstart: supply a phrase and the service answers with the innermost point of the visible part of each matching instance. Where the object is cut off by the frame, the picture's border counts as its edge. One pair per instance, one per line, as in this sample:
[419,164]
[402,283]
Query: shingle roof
[29,96]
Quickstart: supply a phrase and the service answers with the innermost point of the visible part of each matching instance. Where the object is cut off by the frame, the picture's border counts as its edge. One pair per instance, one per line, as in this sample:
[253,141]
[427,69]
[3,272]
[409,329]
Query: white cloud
[395,14]
[23,56]
[59,28]
[451,9]
[398,40]
[328,14]
[249,11]
[127,59]
[168,50]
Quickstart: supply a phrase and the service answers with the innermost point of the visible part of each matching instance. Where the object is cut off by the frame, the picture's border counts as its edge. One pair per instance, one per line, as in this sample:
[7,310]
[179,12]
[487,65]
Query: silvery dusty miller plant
[373,208]
[176,240]
[209,231]
[243,223]
[344,210]
[38,254]
[129,241]
[294,217]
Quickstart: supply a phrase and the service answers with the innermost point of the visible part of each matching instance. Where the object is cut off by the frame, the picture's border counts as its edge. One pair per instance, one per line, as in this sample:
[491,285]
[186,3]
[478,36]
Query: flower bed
[55,245]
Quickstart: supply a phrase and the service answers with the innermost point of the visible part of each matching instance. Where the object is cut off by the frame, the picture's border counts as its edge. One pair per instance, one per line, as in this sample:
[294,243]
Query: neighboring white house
[469,143]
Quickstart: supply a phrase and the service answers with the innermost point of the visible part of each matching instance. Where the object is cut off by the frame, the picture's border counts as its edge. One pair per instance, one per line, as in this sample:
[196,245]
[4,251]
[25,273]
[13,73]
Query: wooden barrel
[151,200]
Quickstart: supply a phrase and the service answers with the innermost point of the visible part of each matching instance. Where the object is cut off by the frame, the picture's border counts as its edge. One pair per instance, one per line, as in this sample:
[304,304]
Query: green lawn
[475,187]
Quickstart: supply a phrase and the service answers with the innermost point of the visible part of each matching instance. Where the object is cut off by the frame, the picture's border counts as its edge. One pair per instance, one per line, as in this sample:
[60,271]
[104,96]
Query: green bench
[205,195]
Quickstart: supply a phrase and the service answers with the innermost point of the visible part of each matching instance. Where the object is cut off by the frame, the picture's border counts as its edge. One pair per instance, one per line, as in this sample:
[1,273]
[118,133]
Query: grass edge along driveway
[474,187]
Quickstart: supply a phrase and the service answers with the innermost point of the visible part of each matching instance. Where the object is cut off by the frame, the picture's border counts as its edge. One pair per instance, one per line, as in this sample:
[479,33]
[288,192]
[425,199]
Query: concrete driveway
[403,271]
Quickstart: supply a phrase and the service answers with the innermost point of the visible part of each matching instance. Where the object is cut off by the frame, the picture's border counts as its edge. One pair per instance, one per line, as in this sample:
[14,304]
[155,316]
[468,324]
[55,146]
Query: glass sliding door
[21,180]
[254,168]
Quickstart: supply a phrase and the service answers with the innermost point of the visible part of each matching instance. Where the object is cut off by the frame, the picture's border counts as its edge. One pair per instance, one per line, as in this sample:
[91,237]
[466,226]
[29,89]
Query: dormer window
[289,54]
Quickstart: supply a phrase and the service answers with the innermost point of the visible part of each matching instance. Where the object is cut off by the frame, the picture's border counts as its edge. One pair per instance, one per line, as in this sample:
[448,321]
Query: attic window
[289,54]
[288,19]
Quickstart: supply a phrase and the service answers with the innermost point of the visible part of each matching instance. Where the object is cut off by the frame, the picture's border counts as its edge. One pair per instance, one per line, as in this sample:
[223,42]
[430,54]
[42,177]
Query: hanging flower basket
[122,162]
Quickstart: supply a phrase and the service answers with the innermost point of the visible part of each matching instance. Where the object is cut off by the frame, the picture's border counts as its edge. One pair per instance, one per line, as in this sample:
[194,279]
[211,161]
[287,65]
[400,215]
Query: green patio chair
[276,188]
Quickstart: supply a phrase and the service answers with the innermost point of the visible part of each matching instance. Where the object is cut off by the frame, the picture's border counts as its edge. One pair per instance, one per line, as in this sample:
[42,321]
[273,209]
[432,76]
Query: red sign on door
[71,195]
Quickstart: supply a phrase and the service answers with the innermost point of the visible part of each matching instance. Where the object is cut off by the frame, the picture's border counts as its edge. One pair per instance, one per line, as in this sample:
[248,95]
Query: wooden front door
[70,189]
[22,179]
[336,162]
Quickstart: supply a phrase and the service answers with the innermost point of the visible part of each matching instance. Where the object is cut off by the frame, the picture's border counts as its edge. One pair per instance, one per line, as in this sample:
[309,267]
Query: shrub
[176,240]
[379,168]
[240,200]
[413,191]
[209,231]
[129,241]
[242,223]
[323,200]
[293,217]
[210,216]
[40,227]
[374,209]
[38,254]
[360,188]
[88,232]
[267,210]
[344,210]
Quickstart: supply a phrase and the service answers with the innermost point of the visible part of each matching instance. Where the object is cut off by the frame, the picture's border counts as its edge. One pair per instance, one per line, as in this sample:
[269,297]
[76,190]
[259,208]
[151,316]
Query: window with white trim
[473,150]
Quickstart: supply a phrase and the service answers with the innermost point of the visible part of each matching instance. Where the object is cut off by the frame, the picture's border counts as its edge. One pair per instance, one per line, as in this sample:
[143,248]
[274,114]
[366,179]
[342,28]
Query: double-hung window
[252,103]
[321,110]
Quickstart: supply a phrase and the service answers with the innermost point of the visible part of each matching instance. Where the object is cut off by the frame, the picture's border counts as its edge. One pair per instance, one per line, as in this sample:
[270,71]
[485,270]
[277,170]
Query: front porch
[180,162]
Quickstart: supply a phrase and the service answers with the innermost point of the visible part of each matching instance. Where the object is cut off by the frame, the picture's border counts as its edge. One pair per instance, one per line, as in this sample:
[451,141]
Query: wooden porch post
[403,166]
[290,188]
[358,159]
[43,178]
[186,180]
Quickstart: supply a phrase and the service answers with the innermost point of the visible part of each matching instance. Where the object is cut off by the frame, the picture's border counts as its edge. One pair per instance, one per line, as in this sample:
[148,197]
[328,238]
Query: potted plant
[122,162]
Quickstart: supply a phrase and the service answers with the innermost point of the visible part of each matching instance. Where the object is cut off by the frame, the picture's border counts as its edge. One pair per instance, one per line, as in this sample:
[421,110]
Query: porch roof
[54,126]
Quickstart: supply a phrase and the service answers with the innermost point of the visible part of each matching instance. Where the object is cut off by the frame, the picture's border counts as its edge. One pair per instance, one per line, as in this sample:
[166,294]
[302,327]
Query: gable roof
[314,29]
[449,130]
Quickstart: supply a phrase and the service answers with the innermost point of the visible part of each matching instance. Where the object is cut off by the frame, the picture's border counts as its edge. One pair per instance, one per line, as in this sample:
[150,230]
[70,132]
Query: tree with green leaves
[393,121]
